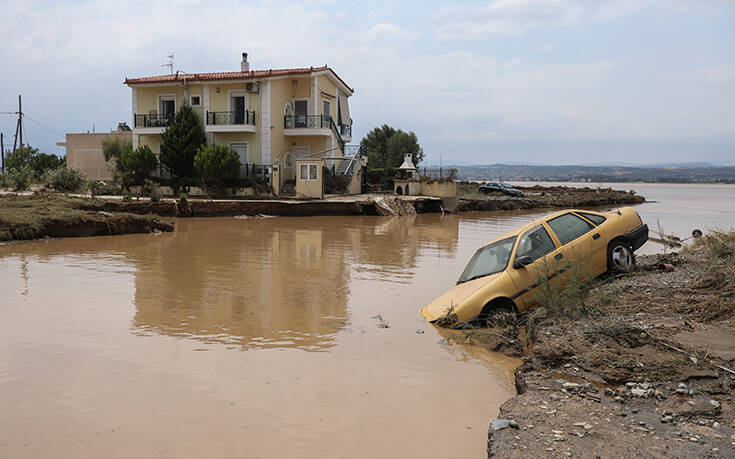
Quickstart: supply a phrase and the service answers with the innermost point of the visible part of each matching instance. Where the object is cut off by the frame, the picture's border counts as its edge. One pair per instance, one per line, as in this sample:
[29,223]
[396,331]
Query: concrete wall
[84,153]
[439,189]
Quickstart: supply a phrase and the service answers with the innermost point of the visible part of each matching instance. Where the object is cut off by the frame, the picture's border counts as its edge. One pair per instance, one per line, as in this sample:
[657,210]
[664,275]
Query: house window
[196,101]
[308,172]
[326,108]
[167,106]
[300,110]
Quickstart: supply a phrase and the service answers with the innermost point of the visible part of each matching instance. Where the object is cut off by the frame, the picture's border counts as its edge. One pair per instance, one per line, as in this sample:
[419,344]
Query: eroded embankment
[50,215]
[541,197]
[637,366]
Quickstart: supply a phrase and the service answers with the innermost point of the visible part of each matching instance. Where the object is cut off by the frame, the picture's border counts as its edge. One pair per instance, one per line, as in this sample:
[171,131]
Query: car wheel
[619,256]
[495,314]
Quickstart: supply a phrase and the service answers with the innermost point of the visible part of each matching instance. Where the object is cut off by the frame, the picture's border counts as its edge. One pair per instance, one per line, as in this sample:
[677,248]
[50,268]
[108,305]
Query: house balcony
[232,121]
[152,123]
[320,125]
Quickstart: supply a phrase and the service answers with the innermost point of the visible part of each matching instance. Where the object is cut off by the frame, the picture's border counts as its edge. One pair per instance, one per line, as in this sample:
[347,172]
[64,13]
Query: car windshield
[488,260]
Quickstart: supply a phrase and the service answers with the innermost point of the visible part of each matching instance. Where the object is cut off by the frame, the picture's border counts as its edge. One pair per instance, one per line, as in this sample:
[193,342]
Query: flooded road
[245,338]
[258,337]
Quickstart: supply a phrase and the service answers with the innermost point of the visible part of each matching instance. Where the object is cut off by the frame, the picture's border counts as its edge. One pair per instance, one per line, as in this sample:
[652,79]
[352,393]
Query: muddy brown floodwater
[255,338]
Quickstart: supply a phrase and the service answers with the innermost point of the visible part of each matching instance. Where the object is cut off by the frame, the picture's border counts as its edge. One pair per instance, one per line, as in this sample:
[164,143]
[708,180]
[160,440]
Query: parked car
[505,274]
[499,187]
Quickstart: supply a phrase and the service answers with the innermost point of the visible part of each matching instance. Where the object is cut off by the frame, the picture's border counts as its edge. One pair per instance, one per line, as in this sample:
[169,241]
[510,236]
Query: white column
[134,104]
[314,96]
[264,128]
[136,141]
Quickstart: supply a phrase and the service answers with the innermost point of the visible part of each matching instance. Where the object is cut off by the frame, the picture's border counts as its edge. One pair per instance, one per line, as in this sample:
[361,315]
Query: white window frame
[293,112]
[191,100]
[237,93]
[309,170]
[167,97]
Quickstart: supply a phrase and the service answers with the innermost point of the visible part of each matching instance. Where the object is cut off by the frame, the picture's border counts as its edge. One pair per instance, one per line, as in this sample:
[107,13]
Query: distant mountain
[669,173]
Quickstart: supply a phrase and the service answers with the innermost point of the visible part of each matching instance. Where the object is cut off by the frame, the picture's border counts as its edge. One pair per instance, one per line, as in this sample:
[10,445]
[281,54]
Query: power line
[41,125]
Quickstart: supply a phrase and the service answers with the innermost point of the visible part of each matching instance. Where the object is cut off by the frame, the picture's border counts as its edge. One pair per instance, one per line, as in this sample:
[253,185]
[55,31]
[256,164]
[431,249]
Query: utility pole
[18,126]
[2,153]
[20,120]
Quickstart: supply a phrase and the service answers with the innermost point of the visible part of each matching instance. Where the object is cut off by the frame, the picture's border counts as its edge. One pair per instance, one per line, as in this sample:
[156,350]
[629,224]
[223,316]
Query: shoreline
[643,366]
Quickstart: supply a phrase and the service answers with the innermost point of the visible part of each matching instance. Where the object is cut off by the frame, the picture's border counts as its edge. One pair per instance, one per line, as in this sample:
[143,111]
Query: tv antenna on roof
[170,63]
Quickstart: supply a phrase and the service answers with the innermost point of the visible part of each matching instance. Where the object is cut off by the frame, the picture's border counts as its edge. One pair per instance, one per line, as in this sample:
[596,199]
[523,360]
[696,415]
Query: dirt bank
[636,366]
[52,215]
[539,197]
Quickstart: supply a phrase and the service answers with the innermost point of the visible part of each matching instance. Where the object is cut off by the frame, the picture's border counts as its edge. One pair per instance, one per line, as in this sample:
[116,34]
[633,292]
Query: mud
[639,373]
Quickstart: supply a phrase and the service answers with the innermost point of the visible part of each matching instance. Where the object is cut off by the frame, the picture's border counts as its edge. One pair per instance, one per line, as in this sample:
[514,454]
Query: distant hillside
[669,174]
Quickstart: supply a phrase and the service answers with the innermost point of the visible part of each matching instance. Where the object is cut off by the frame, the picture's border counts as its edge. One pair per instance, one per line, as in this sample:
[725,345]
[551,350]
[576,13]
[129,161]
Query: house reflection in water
[274,282]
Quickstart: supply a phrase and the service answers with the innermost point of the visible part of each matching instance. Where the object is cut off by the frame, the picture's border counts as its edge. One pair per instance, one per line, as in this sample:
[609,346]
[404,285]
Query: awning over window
[344,111]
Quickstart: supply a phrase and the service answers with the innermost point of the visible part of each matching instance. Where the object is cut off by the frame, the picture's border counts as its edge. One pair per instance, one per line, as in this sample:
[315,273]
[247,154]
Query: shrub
[20,179]
[65,180]
[99,187]
[20,158]
[218,166]
[112,147]
[135,166]
[3,180]
[153,190]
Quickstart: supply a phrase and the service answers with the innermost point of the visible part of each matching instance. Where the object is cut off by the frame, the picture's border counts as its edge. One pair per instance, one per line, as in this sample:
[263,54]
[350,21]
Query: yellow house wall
[280,95]
[327,86]
[148,98]
[153,141]
[252,139]
[221,102]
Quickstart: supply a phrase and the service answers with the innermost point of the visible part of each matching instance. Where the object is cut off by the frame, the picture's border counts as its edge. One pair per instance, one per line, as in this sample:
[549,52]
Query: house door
[242,151]
[238,107]
[167,107]
[326,113]
[300,109]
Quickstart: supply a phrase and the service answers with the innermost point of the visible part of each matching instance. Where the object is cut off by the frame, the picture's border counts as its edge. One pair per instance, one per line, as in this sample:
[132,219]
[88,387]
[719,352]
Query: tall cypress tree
[180,142]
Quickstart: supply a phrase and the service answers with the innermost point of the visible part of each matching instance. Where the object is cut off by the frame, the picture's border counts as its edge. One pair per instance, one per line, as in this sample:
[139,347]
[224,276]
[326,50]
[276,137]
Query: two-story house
[266,116]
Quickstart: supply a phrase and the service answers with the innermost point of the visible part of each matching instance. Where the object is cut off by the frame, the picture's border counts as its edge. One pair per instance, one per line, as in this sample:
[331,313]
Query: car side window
[594,218]
[569,227]
[535,244]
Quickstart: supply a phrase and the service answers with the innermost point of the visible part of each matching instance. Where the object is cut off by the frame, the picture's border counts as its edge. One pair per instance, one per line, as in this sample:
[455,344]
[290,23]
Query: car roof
[523,228]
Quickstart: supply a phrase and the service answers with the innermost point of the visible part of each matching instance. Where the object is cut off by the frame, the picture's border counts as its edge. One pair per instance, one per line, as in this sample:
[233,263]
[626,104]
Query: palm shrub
[135,166]
[181,141]
[218,166]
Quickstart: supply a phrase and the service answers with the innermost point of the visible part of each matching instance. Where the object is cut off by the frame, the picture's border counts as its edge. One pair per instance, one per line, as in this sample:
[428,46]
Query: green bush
[99,187]
[65,180]
[152,189]
[135,166]
[181,141]
[20,179]
[3,180]
[218,166]
[20,158]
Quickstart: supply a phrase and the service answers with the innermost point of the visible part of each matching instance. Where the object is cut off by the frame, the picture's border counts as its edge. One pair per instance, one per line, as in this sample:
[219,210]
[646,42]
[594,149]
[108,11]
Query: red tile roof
[223,76]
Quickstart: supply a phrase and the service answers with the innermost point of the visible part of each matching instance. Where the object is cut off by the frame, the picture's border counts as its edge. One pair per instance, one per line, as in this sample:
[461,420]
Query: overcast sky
[521,81]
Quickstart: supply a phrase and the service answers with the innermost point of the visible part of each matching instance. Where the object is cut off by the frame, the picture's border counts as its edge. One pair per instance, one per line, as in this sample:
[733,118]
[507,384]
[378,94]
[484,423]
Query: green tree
[386,146]
[218,166]
[112,147]
[135,166]
[21,157]
[181,141]
[43,162]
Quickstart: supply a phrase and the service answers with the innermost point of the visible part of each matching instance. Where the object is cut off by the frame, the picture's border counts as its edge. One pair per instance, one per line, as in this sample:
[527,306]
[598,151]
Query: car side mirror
[522,262]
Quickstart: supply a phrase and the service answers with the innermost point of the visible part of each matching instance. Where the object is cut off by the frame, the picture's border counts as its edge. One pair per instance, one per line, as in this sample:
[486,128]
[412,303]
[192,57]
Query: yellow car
[503,274]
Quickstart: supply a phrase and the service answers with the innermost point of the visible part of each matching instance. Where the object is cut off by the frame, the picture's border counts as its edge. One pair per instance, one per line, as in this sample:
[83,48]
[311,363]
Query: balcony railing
[306,121]
[153,120]
[345,130]
[229,118]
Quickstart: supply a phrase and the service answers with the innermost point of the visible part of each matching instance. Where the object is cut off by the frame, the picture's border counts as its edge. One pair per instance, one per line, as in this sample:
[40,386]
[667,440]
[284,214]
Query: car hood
[454,297]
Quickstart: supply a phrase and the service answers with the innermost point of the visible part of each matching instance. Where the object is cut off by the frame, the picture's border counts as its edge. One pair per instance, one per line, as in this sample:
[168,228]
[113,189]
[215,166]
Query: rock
[570,385]
[608,391]
[714,403]
[658,394]
[631,384]
[682,386]
[499,424]
[645,385]
[639,392]
[666,419]
[715,425]
[682,391]
[513,424]
[694,440]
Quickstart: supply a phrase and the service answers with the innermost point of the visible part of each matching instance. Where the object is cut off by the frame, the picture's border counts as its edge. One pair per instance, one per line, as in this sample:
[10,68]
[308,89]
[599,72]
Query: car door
[546,260]
[581,243]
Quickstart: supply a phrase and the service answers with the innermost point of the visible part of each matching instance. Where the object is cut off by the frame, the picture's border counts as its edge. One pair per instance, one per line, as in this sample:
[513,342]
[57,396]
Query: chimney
[244,65]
